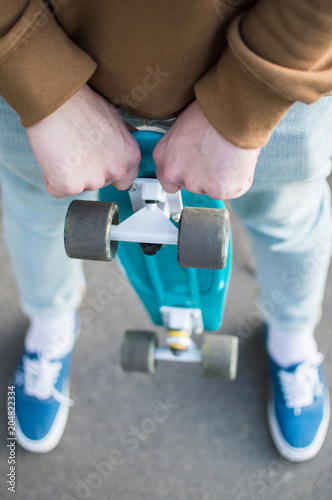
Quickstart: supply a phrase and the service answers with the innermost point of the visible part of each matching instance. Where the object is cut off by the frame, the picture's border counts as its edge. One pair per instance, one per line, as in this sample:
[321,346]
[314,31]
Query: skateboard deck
[158,279]
[176,250]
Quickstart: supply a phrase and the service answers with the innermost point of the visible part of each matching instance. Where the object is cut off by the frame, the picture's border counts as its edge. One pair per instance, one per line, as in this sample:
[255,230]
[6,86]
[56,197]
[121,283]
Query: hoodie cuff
[40,67]
[245,96]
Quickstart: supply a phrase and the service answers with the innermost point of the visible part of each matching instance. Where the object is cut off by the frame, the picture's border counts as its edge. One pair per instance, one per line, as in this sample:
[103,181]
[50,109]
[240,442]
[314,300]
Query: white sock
[53,337]
[288,349]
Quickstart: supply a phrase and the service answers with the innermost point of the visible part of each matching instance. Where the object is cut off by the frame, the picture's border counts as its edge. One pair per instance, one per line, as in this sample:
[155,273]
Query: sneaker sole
[285,449]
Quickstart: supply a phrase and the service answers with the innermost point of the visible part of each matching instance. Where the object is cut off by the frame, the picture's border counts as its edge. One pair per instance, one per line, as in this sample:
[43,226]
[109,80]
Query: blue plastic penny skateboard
[176,250]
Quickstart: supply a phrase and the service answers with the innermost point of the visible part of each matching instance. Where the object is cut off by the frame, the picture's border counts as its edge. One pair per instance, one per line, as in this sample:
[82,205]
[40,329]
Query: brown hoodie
[246,61]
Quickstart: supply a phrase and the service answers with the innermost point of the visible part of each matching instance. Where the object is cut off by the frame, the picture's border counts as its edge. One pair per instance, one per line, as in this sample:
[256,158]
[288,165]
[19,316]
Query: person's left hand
[194,156]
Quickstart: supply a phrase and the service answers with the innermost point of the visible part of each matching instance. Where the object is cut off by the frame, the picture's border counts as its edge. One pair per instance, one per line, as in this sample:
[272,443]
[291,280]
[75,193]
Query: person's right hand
[84,145]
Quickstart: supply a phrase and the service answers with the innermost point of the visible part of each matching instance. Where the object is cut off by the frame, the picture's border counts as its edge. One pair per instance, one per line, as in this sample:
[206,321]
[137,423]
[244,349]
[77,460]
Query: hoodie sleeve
[278,53]
[40,67]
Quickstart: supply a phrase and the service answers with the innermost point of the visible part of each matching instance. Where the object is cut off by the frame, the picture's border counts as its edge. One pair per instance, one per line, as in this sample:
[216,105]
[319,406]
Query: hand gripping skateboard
[176,250]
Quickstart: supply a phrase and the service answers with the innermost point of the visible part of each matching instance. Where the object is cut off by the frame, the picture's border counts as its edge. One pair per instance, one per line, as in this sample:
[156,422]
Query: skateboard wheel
[203,238]
[137,352]
[88,230]
[220,356]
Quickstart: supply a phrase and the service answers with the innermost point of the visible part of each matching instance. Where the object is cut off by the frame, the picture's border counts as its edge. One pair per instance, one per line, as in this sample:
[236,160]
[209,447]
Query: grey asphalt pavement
[208,441]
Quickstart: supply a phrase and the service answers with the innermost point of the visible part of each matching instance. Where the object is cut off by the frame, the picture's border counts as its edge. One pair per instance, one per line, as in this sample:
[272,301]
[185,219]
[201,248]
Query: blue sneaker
[298,408]
[42,401]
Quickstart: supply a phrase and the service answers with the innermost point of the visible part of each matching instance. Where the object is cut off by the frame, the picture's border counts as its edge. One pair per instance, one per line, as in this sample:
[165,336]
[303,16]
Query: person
[231,81]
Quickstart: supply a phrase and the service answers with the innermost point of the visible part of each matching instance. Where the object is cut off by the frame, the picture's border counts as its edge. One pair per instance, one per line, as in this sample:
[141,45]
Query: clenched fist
[194,156]
[84,145]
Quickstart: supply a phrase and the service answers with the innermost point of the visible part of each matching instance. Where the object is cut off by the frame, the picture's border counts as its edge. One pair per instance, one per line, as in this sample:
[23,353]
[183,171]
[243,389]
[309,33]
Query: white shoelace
[40,377]
[301,386]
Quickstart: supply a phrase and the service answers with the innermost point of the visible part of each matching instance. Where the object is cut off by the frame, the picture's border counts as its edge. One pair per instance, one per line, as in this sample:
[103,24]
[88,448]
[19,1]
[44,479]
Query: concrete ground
[212,443]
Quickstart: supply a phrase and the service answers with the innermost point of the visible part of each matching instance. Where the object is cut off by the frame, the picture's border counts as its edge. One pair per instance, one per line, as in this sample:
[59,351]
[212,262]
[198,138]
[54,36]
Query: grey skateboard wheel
[220,356]
[137,352]
[88,230]
[203,238]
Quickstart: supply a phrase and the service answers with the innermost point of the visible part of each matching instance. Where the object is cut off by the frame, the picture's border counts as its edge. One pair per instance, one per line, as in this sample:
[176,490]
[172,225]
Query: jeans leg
[49,282]
[290,232]
[288,215]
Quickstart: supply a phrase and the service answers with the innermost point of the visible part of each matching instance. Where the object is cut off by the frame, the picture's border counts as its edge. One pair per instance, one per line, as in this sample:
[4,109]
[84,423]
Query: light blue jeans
[287,213]
[49,283]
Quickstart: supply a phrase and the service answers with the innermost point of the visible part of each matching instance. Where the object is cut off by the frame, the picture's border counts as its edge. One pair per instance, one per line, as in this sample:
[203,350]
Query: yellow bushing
[177,334]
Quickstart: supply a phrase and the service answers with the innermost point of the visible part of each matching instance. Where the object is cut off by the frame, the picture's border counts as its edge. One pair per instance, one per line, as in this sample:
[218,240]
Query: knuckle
[189,186]
[135,157]
[216,192]
[113,169]
[171,174]
[241,190]
[70,187]
[71,191]
[132,152]
[61,192]
[95,183]
[54,192]
[119,171]
[93,186]
[157,155]
[250,181]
